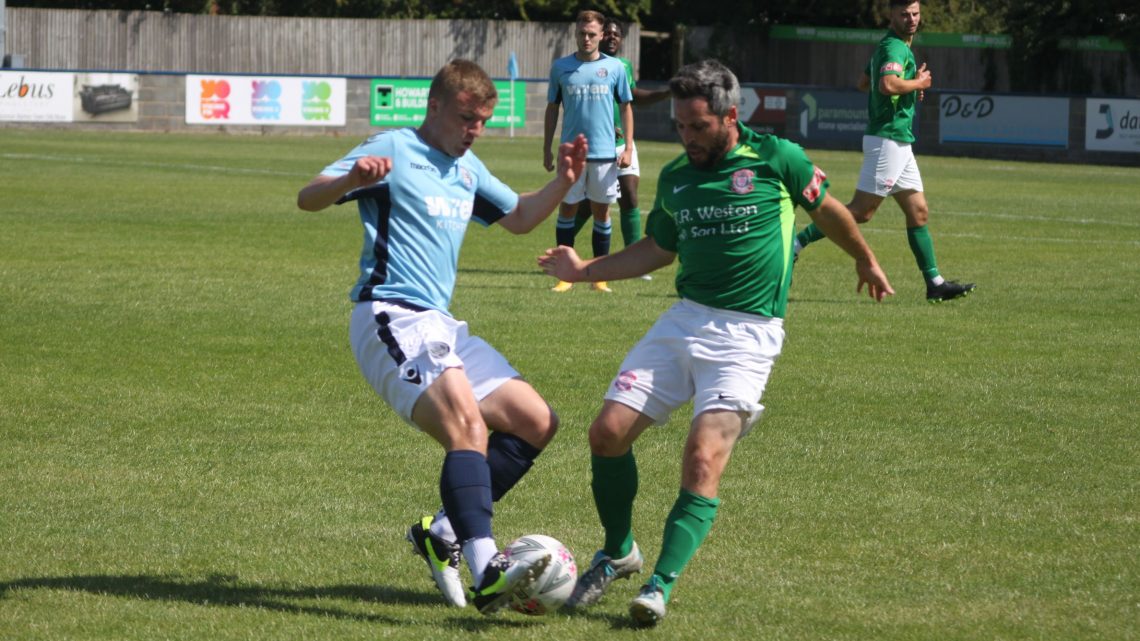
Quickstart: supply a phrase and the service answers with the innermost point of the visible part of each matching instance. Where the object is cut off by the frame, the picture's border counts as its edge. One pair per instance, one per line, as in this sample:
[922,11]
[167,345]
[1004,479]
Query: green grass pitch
[187,450]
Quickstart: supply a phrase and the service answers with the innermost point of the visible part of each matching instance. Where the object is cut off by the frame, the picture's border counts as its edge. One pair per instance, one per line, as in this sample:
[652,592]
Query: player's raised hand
[561,262]
[370,169]
[572,159]
[871,275]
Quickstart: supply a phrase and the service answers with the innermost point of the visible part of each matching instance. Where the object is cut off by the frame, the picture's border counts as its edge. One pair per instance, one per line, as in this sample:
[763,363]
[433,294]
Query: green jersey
[617,107]
[891,116]
[731,226]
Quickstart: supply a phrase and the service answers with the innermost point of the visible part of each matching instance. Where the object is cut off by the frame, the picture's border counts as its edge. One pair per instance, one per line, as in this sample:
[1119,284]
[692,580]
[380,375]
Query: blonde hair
[461,75]
[586,17]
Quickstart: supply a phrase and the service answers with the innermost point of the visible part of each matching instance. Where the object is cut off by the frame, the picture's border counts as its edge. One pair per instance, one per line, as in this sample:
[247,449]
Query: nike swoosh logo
[679,188]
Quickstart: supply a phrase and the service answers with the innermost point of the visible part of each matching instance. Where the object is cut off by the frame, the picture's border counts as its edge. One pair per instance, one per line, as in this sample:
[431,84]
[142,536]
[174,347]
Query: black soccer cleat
[948,290]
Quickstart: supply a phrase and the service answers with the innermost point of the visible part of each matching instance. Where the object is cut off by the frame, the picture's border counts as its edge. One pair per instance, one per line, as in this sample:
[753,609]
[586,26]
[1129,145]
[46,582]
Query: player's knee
[861,214]
[701,470]
[607,437]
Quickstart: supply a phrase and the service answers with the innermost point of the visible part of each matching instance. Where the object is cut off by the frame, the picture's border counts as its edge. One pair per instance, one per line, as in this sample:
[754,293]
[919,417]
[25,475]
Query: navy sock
[465,487]
[564,231]
[509,458]
[601,238]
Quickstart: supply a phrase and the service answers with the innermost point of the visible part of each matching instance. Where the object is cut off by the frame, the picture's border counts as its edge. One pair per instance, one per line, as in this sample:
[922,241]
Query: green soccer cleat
[504,580]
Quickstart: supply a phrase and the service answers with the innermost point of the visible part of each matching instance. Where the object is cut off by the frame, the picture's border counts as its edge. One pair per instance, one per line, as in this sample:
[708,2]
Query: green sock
[809,235]
[631,226]
[922,246]
[686,527]
[615,486]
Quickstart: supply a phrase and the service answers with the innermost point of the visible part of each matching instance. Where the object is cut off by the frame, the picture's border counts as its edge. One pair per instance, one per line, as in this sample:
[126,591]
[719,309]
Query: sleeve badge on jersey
[811,192]
[742,181]
[891,66]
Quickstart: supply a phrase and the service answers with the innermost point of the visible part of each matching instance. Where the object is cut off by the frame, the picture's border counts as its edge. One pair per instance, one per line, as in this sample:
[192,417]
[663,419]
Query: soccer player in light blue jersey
[417,190]
[584,86]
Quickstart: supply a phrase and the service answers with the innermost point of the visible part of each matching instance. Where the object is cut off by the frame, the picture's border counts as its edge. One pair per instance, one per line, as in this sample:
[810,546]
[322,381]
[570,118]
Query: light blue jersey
[587,92]
[415,218]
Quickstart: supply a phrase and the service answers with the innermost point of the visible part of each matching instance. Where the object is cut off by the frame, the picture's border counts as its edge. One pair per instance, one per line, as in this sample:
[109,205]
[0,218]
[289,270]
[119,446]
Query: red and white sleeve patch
[891,67]
[812,191]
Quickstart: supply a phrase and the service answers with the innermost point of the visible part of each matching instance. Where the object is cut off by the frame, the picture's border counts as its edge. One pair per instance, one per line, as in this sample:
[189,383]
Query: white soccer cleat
[603,571]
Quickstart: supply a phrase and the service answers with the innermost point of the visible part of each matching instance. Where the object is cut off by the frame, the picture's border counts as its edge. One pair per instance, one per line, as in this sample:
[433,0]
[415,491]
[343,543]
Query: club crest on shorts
[438,350]
[742,181]
[624,381]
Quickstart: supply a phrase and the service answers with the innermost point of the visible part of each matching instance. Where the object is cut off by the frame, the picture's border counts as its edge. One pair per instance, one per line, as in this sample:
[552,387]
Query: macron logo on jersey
[811,192]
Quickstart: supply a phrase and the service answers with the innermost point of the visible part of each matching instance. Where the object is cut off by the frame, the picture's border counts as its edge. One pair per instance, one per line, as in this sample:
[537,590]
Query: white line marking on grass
[1026,239]
[1048,219]
[161,165]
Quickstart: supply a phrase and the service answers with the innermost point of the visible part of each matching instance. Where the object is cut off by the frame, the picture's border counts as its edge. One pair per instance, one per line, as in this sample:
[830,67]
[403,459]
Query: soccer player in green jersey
[725,210]
[889,167]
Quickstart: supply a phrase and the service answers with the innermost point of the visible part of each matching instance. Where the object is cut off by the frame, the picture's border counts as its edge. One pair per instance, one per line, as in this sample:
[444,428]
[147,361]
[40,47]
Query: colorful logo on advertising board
[315,96]
[214,103]
[266,100]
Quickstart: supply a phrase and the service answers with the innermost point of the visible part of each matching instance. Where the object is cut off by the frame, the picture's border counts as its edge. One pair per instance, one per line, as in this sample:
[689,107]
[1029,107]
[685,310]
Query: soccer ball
[551,589]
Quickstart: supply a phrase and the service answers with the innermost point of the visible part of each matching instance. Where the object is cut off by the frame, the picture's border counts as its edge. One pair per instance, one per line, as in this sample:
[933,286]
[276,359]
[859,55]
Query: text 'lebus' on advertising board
[252,100]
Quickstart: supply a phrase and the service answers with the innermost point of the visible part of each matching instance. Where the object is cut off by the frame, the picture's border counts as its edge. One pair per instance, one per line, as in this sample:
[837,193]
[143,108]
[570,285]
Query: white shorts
[598,183]
[634,169]
[718,358]
[401,351]
[888,167]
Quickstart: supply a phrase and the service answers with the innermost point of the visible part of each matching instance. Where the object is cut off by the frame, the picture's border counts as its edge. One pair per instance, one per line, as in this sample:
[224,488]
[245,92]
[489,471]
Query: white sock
[441,527]
[937,280]
[478,553]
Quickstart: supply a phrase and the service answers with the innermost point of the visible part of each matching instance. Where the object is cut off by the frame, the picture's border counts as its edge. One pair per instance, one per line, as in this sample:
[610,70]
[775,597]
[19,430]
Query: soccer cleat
[601,286]
[648,607]
[503,579]
[562,286]
[603,571]
[442,558]
[948,290]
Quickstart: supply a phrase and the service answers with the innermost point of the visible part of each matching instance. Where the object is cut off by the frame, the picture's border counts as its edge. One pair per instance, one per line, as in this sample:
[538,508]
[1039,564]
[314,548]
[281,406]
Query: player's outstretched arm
[535,206]
[639,258]
[323,191]
[833,218]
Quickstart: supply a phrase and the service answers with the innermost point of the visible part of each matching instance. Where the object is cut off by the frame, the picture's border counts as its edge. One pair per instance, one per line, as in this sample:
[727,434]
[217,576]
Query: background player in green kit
[889,167]
[725,210]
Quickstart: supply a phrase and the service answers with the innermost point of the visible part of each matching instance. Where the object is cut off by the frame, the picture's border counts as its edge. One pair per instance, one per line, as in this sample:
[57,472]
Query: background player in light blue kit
[417,190]
[584,85]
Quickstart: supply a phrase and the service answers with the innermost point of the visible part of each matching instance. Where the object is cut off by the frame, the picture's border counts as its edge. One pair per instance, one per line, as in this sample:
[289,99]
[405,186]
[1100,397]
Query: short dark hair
[902,3]
[708,79]
[615,22]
